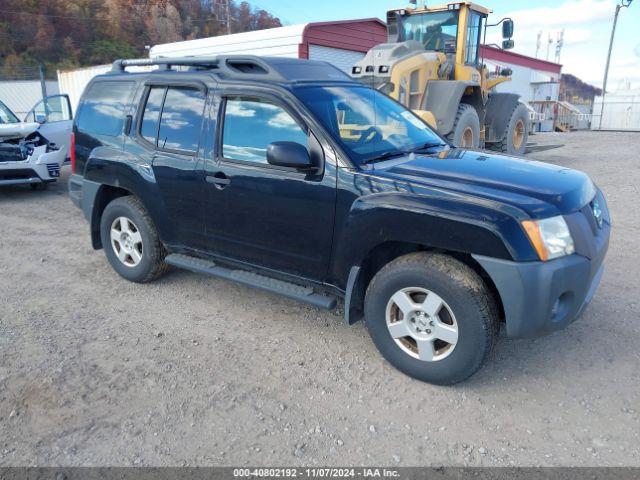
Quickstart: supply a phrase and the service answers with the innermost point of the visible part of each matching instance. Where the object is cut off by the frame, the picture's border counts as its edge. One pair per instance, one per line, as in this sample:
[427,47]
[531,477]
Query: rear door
[273,217]
[169,130]
[55,118]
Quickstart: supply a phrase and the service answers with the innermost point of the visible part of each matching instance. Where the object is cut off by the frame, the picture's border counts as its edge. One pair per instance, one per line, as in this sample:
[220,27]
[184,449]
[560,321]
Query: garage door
[343,59]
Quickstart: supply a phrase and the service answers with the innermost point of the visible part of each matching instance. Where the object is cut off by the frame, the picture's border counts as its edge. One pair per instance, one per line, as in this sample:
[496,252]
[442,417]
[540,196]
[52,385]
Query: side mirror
[507,28]
[289,154]
[507,44]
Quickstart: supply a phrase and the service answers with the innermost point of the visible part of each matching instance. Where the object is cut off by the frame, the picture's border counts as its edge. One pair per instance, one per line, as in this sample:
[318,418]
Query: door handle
[219,180]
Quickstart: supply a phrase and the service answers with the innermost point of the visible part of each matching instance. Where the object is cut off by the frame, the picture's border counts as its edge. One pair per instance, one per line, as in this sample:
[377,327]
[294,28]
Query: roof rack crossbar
[120,65]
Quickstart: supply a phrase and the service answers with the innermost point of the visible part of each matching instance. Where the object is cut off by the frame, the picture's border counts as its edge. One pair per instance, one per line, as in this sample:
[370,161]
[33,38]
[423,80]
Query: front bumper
[541,297]
[42,169]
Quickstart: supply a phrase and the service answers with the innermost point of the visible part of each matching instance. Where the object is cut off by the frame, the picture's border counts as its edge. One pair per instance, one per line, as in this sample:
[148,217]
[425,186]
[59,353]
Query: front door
[170,130]
[273,217]
[53,113]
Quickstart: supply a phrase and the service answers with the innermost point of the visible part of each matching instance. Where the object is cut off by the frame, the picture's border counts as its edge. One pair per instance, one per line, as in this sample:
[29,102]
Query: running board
[268,284]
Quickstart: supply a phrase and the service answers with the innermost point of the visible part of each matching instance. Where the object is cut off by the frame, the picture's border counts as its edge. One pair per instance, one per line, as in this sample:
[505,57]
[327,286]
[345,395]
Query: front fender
[453,224]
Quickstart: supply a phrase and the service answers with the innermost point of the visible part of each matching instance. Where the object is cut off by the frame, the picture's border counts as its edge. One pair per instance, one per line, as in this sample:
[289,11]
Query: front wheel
[517,134]
[131,242]
[432,317]
[466,128]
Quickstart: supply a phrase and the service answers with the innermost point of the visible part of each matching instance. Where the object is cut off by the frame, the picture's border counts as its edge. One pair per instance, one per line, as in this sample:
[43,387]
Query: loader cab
[454,29]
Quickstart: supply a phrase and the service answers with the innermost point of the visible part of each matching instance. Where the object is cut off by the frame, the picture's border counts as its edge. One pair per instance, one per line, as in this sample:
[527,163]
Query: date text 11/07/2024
[363,472]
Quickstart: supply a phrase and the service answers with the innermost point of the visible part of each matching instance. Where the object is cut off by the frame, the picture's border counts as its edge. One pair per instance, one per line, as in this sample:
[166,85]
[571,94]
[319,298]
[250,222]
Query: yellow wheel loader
[432,64]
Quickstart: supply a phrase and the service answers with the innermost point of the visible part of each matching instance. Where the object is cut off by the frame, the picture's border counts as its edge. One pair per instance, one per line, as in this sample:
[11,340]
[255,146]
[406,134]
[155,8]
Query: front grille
[14,153]
[17,174]
[53,169]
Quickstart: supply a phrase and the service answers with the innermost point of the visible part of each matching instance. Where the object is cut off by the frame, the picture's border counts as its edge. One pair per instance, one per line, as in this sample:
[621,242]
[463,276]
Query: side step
[286,289]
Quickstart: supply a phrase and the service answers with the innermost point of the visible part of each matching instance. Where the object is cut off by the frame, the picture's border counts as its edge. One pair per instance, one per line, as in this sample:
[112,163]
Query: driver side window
[251,124]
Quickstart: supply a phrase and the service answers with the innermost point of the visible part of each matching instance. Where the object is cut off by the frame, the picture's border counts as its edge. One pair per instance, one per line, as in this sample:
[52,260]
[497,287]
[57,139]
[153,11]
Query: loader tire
[515,140]
[466,128]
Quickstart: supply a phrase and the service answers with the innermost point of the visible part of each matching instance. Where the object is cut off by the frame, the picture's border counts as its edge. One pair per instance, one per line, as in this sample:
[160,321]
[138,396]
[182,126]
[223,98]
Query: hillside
[72,33]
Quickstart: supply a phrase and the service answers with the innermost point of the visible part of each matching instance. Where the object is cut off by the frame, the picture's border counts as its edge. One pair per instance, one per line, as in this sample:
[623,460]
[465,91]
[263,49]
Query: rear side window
[103,108]
[181,119]
[172,118]
[151,115]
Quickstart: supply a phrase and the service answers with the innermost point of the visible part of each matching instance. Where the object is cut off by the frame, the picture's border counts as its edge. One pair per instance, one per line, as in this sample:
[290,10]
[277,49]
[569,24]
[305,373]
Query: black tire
[464,293]
[519,119]
[466,121]
[39,186]
[151,265]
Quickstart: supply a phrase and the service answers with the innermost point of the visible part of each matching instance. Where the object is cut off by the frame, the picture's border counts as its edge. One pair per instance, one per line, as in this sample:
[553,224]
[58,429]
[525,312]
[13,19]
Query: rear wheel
[131,242]
[517,134]
[432,317]
[466,128]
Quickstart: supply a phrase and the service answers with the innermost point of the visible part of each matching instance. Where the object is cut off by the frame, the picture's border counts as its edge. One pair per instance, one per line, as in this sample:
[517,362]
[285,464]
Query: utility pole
[619,6]
[43,80]
[559,44]
[224,6]
[538,43]
[549,42]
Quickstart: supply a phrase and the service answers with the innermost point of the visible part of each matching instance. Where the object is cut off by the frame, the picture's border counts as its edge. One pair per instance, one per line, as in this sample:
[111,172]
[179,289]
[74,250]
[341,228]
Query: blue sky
[587,25]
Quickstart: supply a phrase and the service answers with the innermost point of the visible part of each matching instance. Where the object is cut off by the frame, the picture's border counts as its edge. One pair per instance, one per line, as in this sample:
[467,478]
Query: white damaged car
[33,152]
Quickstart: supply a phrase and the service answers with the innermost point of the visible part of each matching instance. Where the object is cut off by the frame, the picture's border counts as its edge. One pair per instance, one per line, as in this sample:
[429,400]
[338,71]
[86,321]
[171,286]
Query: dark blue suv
[288,176]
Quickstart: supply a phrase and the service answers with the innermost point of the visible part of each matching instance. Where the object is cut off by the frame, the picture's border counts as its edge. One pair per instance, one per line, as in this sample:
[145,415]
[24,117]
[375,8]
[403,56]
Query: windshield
[6,115]
[368,124]
[437,31]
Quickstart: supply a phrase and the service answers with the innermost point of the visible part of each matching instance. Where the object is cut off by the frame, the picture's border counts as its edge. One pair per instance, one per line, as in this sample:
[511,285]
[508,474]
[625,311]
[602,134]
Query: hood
[10,131]
[539,189]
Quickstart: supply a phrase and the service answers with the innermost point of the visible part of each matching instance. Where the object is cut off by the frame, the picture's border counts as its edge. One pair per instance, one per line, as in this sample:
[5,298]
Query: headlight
[550,237]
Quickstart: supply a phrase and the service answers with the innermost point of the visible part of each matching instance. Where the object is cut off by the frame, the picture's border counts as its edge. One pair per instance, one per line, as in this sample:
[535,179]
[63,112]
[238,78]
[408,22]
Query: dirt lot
[196,371]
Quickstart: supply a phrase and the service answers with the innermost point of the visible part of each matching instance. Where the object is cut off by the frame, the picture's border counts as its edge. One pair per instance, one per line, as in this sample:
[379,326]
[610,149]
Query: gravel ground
[195,371]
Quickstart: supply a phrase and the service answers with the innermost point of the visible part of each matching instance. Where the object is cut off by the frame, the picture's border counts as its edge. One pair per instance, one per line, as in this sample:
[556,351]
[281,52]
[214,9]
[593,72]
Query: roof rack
[120,65]
[230,66]
[245,67]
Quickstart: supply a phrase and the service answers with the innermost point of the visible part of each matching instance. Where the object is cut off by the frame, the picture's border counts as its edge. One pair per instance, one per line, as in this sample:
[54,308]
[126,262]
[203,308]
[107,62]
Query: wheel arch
[105,194]
[360,276]
[442,98]
[106,179]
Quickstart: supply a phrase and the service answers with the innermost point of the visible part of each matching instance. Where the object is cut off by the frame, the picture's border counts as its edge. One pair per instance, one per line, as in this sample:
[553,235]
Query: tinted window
[103,108]
[250,125]
[151,114]
[181,119]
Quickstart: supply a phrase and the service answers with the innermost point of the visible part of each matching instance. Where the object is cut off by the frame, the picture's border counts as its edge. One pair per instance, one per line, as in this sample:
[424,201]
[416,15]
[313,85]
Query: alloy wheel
[126,241]
[422,324]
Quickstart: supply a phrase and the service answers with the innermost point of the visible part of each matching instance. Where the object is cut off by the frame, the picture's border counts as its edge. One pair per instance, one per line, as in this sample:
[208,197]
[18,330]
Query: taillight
[72,152]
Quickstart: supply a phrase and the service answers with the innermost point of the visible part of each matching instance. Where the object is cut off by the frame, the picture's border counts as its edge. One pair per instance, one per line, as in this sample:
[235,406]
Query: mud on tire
[464,293]
[466,127]
[150,264]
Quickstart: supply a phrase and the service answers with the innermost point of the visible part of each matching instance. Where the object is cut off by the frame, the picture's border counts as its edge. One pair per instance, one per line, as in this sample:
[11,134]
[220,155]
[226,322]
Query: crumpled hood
[10,131]
[540,189]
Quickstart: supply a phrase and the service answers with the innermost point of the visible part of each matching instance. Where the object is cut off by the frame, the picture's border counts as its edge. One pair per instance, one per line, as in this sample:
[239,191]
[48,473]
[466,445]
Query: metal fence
[621,111]
[21,89]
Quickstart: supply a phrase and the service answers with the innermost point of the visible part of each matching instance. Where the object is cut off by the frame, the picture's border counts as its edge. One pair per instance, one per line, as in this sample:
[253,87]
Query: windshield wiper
[427,146]
[384,156]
